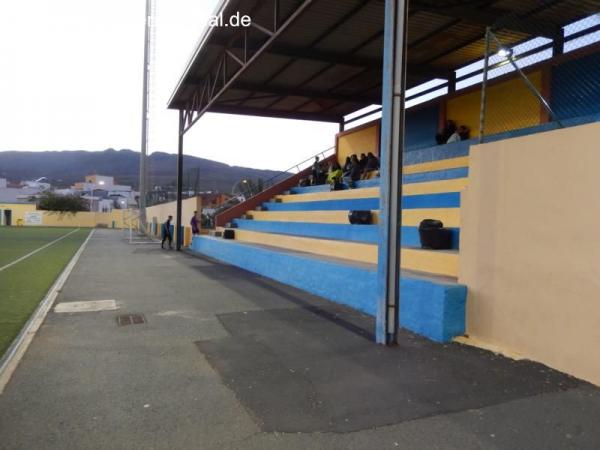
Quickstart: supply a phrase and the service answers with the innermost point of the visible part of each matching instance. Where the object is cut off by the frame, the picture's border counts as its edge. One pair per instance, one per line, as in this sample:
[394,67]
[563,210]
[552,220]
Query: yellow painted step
[354,251]
[435,187]
[440,164]
[429,261]
[410,217]
[426,187]
[436,262]
[331,195]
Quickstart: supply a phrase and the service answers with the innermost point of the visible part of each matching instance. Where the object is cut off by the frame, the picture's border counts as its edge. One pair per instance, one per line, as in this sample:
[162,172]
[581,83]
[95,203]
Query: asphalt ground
[228,359]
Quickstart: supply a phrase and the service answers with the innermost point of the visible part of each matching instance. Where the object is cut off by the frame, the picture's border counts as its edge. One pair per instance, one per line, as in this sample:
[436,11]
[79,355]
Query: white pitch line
[16,351]
[18,260]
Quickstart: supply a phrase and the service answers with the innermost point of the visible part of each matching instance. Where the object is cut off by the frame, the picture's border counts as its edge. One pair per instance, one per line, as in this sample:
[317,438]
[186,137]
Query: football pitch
[31,258]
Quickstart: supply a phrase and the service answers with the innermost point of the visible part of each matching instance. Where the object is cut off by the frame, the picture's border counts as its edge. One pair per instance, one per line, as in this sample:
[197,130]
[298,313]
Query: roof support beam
[259,112]
[219,80]
[310,93]
[490,16]
[317,55]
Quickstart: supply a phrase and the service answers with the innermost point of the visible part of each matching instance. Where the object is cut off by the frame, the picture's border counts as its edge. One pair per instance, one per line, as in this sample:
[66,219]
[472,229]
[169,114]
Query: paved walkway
[231,360]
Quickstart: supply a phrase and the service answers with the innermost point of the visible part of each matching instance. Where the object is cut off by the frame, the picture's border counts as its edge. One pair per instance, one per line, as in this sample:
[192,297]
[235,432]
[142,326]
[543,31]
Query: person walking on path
[194,224]
[166,233]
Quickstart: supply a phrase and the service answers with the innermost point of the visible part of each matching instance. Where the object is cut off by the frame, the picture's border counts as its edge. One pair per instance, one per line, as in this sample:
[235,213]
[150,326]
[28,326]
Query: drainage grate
[130,319]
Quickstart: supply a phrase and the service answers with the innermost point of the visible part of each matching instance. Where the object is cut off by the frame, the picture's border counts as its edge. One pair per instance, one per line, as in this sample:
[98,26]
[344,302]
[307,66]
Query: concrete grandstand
[328,61]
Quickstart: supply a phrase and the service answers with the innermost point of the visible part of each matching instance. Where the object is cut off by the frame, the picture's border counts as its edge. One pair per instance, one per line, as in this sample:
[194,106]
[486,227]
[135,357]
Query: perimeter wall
[118,218]
[530,253]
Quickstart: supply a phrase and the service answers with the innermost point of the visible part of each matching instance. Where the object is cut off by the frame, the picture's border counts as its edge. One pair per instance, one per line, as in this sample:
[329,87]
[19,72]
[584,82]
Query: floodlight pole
[145,95]
[391,156]
[178,223]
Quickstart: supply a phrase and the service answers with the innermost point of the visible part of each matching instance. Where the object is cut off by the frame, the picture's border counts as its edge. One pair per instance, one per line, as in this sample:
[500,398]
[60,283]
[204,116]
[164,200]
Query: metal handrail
[297,166]
[269,183]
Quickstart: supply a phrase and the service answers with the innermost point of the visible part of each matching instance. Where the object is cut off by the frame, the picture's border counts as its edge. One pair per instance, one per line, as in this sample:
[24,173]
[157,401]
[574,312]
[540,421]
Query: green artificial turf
[25,284]
[18,241]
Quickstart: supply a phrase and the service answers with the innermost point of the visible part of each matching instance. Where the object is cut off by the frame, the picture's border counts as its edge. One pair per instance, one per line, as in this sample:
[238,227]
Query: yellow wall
[362,140]
[80,219]
[159,214]
[529,249]
[18,211]
[510,106]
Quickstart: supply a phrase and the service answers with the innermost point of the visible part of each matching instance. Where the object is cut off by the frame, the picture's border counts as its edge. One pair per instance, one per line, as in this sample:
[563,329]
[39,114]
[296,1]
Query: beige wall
[530,253]
[159,213]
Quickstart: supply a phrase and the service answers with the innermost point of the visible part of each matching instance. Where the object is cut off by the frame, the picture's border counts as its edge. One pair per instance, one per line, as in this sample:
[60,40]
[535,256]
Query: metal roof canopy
[322,59]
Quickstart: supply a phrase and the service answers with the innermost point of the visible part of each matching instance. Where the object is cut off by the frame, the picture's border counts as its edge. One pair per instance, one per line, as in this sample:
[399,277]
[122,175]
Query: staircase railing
[274,185]
[300,166]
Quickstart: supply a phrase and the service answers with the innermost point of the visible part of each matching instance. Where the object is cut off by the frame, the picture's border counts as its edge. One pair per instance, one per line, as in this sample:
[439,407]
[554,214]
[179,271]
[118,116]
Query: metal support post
[486,64]
[528,83]
[178,221]
[392,151]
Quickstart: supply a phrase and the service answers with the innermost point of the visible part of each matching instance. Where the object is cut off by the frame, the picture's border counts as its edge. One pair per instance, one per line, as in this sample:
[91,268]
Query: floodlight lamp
[504,52]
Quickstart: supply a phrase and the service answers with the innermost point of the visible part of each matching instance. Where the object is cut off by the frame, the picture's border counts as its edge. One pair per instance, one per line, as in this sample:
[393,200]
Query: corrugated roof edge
[203,38]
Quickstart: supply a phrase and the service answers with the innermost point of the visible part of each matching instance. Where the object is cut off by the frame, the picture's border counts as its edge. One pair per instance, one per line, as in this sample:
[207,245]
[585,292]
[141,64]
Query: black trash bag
[434,236]
[359,217]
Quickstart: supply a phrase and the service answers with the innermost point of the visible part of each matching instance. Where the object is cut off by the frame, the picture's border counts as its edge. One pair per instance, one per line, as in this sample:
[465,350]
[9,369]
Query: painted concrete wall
[359,140]
[530,253]
[510,106]
[158,214]
[18,211]
[80,219]
[422,126]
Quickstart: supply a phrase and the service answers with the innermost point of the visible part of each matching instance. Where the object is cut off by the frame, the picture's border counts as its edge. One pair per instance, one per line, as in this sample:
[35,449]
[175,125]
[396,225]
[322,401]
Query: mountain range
[64,168]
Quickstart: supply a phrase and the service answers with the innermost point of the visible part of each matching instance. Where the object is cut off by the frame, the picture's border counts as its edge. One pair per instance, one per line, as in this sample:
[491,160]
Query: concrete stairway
[303,238]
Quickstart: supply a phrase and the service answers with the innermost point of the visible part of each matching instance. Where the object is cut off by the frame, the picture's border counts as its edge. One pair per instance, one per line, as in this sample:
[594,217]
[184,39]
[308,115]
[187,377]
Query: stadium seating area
[302,237]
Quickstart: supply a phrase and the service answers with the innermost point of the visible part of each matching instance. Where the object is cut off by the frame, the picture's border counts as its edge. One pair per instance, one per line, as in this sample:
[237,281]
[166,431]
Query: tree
[50,201]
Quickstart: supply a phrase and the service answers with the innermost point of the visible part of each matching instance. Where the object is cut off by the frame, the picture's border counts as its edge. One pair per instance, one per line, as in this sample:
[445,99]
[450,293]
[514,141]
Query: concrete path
[234,361]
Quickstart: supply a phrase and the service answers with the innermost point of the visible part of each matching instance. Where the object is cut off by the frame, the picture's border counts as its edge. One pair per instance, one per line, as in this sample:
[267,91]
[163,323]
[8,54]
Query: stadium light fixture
[504,52]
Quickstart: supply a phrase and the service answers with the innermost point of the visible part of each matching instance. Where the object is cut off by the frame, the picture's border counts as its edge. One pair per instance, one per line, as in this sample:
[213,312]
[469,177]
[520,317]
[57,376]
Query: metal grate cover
[130,319]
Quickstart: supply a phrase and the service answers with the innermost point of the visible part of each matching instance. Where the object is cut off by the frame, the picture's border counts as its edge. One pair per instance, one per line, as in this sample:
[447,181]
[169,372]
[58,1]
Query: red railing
[236,211]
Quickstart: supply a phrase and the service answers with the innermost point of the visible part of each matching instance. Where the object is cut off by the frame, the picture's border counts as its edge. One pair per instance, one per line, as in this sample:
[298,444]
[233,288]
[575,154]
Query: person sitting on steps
[371,166]
[355,172]
[444,135]
[335,174]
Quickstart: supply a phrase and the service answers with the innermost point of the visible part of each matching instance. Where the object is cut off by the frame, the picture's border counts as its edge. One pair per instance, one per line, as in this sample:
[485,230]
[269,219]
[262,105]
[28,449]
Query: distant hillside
[63,168]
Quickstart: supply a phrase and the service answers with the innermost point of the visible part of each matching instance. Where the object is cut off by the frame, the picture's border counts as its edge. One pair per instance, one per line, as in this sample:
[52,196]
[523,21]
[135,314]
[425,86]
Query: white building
[104,195]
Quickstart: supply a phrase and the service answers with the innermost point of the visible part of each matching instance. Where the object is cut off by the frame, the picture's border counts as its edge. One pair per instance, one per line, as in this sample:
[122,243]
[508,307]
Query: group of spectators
[451,133]
[354,169]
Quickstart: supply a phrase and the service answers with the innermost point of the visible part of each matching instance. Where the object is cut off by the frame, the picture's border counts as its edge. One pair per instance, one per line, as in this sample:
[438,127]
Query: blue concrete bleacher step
[441,200]
[431,306]
[345,232]
[436,175]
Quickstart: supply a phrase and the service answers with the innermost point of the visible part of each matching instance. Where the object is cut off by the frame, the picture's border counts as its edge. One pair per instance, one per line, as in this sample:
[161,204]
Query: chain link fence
[538,72]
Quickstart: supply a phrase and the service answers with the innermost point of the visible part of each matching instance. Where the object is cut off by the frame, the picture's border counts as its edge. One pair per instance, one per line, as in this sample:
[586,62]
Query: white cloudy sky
[71,79]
